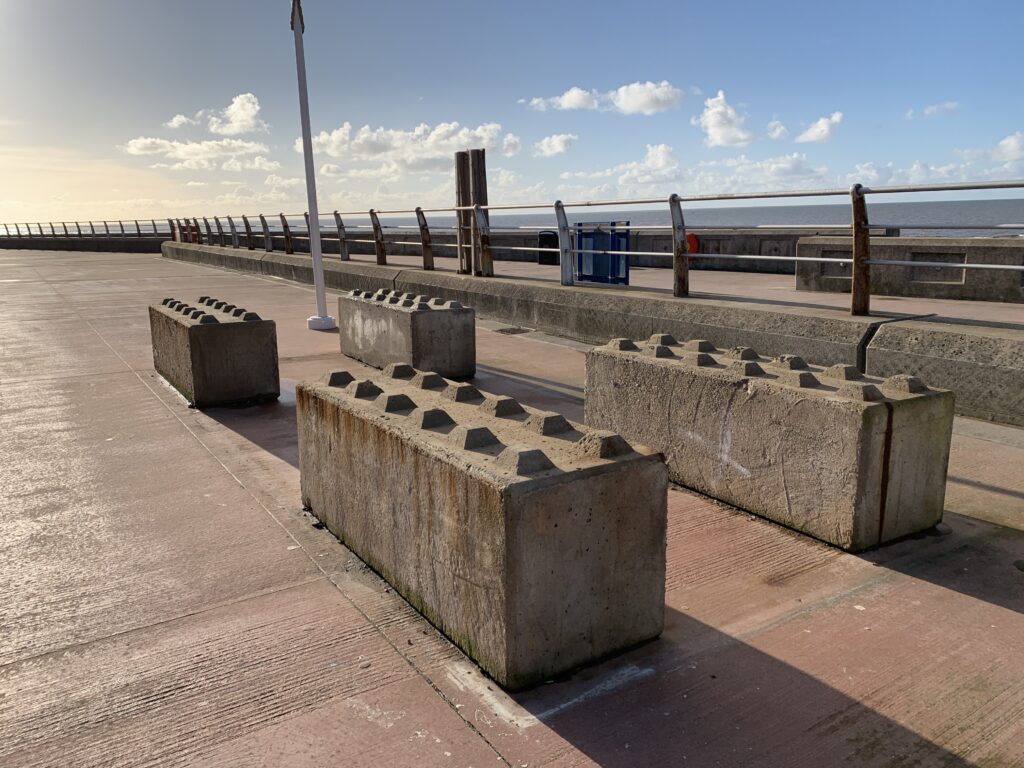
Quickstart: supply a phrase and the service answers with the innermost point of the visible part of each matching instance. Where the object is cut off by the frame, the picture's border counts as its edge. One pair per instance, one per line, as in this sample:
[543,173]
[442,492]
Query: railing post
[53,232]
[483,242]
[427,248]
[680,263]
[40,228]
[309,232]
[78,229]
[861,284]
[209,231]
[268,241]
[248,234]
[378,238]
[234,232]
[153,222]
[92,230]
[220,231]
[462,217]
[106,228]
[342,237]
[64,224]
[120,224]
[138,229]
[199,234]
[288,247]
[564,245]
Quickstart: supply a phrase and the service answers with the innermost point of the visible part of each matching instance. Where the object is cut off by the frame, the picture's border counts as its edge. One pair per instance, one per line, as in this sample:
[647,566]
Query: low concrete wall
[215,353]
[595,315]
[114,244]
[926,282]
[535,544]
[392,327]
[850,460]
[985,366]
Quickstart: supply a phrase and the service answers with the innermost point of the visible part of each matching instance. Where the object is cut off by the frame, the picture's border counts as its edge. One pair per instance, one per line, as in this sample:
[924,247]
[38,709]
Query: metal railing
[474,248]
[140,228]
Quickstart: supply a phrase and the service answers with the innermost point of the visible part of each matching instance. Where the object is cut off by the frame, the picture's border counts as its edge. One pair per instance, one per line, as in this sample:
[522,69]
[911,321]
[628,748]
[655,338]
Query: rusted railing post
[680,262]
[288,246]
[378,238]
[220,230]
[268,241]
[248,234]
[234,231]
[564,245]
[861,284]
[425,245]
[462,217]
[483,241]
[342,237]
[199,234]
[209,231]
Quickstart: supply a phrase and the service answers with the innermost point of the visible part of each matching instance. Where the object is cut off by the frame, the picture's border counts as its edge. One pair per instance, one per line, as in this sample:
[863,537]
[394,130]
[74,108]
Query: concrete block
[383,327]
[535,544]
[849,459]
[984,366]
[214,352]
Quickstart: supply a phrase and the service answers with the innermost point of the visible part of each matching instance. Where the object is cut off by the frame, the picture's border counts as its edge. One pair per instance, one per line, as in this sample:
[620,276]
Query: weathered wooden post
[483,264]
[680,262]
[427,248]
[462,217]
[378,238]
[861,283]
[342,237]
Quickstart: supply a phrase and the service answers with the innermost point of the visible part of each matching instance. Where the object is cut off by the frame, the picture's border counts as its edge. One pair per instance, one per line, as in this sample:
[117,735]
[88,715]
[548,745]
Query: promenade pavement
[165,601]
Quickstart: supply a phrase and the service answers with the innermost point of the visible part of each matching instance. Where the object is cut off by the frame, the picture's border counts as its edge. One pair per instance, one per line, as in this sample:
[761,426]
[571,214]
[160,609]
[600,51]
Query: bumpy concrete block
[384,327]
[215,353]
[535,544]
[851,460]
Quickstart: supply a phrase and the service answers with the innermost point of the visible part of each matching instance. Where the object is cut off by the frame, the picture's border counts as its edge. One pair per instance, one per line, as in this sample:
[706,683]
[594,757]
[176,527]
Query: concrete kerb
[595,315]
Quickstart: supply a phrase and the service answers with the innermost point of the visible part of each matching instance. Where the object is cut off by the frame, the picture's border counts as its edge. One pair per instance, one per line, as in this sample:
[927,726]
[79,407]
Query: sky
[154,108]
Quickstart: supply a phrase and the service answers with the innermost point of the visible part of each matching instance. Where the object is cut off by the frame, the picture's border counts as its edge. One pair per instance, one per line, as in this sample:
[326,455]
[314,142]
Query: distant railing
[122,228]
[473,232]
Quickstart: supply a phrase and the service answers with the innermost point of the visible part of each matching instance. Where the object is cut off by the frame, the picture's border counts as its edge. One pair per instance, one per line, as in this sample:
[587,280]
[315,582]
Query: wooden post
[861,236]
[680,263]
[288,248]
[482,241]
[462,218]
[483,264]
[378,238]
[249,244]
[342,237]
[428,249]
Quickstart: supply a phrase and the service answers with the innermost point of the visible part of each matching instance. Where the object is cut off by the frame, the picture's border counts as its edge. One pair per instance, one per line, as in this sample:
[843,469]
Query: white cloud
[908,115]
[942,108]
[722,125]
[240,116]
[660,172]
[1010,149]
[258,163]
[776,130]
[195,183]
[196,155]
[277,181]
[179,120]
[504,178]
[556,144]
[424,149]
[821,129]
[645,98]
[511,145]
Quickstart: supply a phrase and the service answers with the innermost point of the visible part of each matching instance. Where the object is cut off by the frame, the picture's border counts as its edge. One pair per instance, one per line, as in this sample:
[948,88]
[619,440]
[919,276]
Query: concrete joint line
[869,335]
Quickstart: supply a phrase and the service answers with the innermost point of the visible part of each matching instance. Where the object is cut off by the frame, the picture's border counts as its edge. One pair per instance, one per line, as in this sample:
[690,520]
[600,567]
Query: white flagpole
[321,321]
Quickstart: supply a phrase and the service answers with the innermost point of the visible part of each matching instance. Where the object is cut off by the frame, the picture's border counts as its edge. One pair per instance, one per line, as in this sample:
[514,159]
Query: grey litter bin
[547,239]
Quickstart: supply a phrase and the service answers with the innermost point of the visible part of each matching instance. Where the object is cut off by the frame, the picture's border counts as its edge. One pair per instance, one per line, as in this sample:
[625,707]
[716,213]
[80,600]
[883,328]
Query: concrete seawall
[103,244]
[594,315]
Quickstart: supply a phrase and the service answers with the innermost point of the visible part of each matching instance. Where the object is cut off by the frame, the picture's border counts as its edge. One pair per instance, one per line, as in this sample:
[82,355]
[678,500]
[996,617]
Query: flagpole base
[321,323]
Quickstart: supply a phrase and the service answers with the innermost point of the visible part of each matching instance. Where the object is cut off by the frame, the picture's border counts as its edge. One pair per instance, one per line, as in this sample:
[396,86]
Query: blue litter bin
[607,268]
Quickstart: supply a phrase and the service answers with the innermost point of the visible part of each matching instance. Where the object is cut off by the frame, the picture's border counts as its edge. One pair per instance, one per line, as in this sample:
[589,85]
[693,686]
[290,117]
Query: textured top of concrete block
[496,436]
[407,302]
[206,311]
[786,371]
